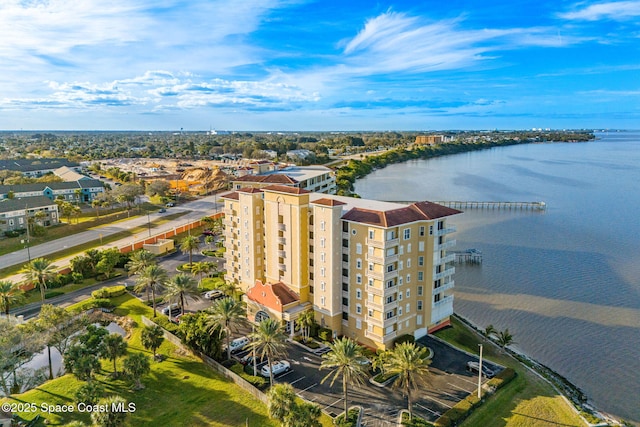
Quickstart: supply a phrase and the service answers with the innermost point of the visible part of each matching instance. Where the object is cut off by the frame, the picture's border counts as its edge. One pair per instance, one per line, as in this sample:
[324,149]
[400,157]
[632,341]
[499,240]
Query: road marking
[285,374]
[436,400]
[312,385]
[330,405]
[437,414]
[299,379]
[456,398]
[460,388]
[469,381]
[308,359]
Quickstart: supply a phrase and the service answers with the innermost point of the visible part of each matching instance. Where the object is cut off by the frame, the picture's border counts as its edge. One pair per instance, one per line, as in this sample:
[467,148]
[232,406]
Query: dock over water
[471,256]
[458,204]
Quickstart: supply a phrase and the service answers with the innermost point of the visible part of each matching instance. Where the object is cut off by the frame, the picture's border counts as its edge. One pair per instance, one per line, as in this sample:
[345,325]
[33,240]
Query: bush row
[256,381]
[110,292]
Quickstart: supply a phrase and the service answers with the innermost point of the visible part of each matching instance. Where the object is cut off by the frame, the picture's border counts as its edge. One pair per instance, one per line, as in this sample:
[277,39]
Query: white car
[475,366]
[238,344]
[277,368]
[214,294]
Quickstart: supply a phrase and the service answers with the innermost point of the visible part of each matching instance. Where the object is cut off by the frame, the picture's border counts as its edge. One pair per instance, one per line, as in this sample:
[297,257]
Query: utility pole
[149,223]
[480,374]
[26,218]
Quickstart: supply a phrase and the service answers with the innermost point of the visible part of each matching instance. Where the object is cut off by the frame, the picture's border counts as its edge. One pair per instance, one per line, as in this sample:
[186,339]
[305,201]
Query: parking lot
[449,382]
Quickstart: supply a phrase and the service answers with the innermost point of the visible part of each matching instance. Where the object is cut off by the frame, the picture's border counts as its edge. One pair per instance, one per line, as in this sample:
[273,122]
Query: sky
[296,65]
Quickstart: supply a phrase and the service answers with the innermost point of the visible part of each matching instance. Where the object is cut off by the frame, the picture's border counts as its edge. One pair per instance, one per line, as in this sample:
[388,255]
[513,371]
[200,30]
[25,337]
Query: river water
[565,282]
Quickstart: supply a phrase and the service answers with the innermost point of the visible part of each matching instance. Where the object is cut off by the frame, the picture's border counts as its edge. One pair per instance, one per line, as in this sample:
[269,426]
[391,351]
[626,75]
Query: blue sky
[318,65]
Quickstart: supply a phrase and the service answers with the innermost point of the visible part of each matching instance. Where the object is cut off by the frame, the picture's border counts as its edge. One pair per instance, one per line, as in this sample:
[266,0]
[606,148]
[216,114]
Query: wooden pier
[470,256]
[458,204]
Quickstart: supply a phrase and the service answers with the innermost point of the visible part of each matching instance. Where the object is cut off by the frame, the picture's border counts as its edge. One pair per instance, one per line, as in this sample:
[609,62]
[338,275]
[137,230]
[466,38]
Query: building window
[372,234]
[370,266]
[431,230]
[400,296]
[399,311]
[358,324]
[419,305]
[421,230]
[358,263]
[400,265]
[370,313]
[322,300]
[420,276]
[358,294]
[345,301]
[389,284]
[400,250]
[409,248]
[370,282]
[389,268]
[345,316]
[322,272]
[408,292]
[407,234]
[400,281]
[407,308]
[420,291]
[436,298]
[358,248]
[389,314]
[322,286]
[409,263]
[358,309]
[420,261]
[322,240]
[359,279]
[421,246]
[322,225]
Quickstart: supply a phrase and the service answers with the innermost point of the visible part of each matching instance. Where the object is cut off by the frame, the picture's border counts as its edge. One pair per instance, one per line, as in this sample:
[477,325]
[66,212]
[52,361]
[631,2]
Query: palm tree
[269,340]
[201,268]
[40,270]
[226,314]
[281,400]
[490,330]
[152,337]
[345,359]
[229,289]
[306,321]
[152,278]
[505,339]
[139,260]
[10,294]
[135,366]
[209,240]
[410,363]
[190,244]
[114,346]
[182,287]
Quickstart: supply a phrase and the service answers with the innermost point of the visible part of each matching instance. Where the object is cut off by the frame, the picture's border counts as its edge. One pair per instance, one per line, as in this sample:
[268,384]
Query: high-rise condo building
[369,270]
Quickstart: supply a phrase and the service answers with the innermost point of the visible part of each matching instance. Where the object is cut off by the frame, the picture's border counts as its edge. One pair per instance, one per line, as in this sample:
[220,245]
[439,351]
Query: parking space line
[299,379]
[456,398]
[460,388]
[330,405]
[285,374]
[436,400]
[312,385]
[436,413]
[469,381]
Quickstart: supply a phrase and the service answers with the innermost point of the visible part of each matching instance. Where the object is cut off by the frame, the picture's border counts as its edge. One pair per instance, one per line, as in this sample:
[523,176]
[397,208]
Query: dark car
[163,210]
[474,366]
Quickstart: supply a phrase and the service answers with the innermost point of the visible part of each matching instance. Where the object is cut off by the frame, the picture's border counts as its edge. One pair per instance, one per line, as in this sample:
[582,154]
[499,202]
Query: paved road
[193,211]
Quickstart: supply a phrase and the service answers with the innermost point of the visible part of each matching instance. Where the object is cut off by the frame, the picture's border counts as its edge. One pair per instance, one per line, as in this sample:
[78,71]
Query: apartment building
[369,270]
[317,179]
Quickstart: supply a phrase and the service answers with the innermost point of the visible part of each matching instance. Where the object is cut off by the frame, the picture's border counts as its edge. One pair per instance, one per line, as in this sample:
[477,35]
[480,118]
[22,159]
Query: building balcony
[372,336]
[228,212]
[282,267]
[390,335]
[443,288]
[371,320]
[376,259]
[391,305]
[442,309]
[345,264]
[282,227]
[282,254]
[375,275]
[390,291]
[450,229]
[446,259]
[375,243]
[390,259]
[281,240]
[445,273]
[345,294]
[446,245]
[345,308]
[375,291]
[374,306]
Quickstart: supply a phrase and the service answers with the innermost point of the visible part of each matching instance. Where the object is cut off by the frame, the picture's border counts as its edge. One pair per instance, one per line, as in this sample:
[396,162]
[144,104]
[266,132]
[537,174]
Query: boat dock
[458,204]
[470,256]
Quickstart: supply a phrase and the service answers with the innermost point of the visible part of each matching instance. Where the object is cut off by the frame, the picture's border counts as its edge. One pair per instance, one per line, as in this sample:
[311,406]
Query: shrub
[325,334]
[502,379]
[415,421]
[351,421]
[52,294]
[404,338]
[166,324]
[77,277]
[11,233]
[103,303]
[110,292]
[256,381]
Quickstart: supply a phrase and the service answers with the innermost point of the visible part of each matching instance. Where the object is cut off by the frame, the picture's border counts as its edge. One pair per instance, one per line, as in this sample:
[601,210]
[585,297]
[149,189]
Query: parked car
[278,367]
[473,366]
[163,210]
[248,359]
[170,205]
[238,344]
[173,309]
[208,232]
[214,294]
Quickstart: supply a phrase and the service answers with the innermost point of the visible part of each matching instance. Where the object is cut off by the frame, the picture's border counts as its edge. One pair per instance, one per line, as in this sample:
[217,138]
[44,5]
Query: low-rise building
[15,213]
[317,179]
[82,191]
[36,167]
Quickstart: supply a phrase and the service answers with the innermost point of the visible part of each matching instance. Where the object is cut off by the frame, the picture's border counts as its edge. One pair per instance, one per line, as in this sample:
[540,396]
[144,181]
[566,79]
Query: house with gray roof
[14,213]
[85,190]
[36,167]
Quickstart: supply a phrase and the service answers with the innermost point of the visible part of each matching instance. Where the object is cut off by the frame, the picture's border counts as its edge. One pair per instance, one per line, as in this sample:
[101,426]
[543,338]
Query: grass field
[528,401]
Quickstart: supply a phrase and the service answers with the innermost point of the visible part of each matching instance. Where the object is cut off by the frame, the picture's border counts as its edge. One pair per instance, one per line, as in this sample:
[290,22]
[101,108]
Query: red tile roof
[284,189]
[249,190]
[328,202]
[276,178]
[420,211]
[272,295]
[232,196]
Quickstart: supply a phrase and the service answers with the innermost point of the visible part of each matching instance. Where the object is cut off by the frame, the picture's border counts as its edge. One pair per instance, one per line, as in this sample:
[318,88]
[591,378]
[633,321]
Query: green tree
[114,347]
[188,245]
[110,417]
[152,337]
[139,260]
[135,366]
[269,340]
[201,268]
[306,320]
[489,331]
[40,271]
[108,260]
[182,287]
[158,188]
[10,294]
[152,279]
[82,359]
[281,400]
[90,393]
[58,325]
[410,363]
[345,360]
[505,339]
[226,315]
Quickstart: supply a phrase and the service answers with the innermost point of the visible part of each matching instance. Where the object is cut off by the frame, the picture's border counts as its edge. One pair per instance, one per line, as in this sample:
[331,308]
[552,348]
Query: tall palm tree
[269,340]
[40,270]
[182,287]
[226,314]
[139,260]
[152,278]
[229,289]
[201,268]
[505,339]
[10,294]
[190,244]
[114,347]
[345,359]
[490,330]
[410,363]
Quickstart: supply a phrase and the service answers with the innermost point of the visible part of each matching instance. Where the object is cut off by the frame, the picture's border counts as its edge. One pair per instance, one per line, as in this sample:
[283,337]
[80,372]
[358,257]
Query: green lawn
[528,401]
[179,391]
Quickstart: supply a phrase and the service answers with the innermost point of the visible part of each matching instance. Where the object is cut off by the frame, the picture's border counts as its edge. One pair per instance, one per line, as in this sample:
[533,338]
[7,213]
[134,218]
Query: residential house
[15,213]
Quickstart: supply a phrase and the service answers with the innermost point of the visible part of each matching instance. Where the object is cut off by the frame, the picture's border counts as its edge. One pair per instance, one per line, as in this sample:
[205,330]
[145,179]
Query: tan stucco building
[369,270]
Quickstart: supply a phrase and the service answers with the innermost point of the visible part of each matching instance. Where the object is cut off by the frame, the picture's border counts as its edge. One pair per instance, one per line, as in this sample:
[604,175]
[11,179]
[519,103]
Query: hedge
[258,382]
[415,421]
[351,421]
[113,291]
[404,338]
[325,334]
[52,294]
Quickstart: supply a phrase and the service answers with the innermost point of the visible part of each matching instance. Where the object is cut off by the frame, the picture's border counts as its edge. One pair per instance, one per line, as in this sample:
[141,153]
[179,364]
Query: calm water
[565,282]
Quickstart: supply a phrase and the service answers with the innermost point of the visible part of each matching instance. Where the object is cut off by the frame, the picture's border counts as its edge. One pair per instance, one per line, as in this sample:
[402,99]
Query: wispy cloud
[618,11]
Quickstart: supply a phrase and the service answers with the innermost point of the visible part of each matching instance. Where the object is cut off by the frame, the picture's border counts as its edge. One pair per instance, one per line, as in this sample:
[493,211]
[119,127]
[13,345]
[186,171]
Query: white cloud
[618,11]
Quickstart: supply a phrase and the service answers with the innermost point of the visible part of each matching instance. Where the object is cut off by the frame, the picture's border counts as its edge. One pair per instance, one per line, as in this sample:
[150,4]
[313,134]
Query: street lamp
[149,223]
[26,217]
[480,373]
